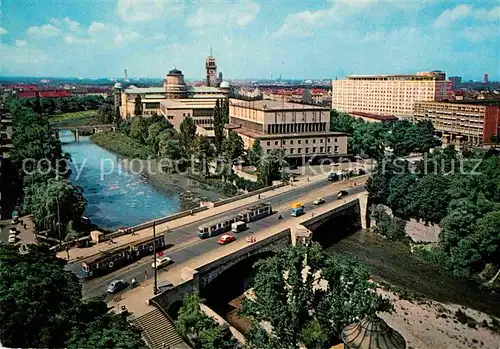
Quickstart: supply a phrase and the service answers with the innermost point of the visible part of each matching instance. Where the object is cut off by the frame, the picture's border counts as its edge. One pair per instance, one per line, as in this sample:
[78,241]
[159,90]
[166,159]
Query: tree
[430,198]
[202,331]
[369,139]
[204,153]
[255,153]
[308,297]
[138,105]
[106,112]
[139,129]
[187,133]
[41,306]
[399,199]
[270,166]
[233,146]
[342,122]
[154,131]
[53,201]
[219,124]
[392,228]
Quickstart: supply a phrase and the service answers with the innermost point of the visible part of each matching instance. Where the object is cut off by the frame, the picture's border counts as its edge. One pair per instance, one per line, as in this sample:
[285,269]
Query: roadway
[187,245]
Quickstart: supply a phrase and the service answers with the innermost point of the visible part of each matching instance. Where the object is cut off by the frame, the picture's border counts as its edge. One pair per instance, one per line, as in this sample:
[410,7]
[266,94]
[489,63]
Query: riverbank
[121,144]
[393,265]
[190,191]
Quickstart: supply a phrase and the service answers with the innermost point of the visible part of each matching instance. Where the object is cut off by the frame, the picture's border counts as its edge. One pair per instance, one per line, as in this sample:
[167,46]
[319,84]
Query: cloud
[238,14]
[67,24]
[21,57]
[3,31]
[451,16]
[46,30]
[132,11]
[477,34]
[21,43]
[303,24]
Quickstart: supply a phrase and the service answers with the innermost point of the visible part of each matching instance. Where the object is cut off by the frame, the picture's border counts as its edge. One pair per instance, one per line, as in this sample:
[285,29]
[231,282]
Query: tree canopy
[187,133]
[41,306]
[306,296]
[201,330]
[255,153]
[138,105]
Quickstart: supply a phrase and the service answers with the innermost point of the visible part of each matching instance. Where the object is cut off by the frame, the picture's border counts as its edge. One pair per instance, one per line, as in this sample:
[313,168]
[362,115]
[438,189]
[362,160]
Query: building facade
[211,68]
[175,100]
[388,94]
[369,117]
[299,130]
[461,123]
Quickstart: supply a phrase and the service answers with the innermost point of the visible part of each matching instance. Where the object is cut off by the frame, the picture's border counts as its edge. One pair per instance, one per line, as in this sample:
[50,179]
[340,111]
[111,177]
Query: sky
[309,39]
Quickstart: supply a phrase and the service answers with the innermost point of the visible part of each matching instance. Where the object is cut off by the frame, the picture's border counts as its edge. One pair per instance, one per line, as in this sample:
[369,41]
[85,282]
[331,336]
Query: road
[187,245]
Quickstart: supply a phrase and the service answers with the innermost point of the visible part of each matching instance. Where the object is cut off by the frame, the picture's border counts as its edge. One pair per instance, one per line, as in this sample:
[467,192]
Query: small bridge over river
[84,128]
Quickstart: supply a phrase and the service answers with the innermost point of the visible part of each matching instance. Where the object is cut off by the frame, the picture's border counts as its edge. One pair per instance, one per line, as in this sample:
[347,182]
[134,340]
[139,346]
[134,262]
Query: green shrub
[122,144]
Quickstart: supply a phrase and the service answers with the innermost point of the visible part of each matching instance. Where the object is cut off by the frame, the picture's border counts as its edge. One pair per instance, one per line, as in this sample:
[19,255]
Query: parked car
[116,286]
[319,201]
[12,239]
[161,262]
[164,286]
[13,231]
[226,238]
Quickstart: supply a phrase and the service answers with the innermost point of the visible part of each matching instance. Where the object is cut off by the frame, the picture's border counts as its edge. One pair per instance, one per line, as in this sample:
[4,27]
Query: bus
[297,209]
[255,212]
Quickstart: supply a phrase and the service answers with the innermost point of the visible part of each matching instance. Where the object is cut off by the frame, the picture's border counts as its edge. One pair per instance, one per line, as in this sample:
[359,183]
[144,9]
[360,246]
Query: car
[319,201]
[12,239]
[116,286]
[161,262]
[342,193]
[225,239]
[13,231]
[164,286]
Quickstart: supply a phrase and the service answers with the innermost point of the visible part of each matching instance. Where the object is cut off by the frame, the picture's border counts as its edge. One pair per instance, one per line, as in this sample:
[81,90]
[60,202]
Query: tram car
[247,215]
[107,261]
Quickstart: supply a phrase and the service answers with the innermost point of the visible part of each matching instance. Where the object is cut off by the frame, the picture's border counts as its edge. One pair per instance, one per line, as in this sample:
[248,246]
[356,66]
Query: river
[116,197]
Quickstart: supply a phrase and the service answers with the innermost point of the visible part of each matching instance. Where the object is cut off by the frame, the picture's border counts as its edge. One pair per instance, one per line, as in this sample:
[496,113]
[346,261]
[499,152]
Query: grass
[120,143]
[73,116]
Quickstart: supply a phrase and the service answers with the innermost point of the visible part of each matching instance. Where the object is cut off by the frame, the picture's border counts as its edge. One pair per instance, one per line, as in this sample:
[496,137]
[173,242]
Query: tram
[247,215]
[107,261]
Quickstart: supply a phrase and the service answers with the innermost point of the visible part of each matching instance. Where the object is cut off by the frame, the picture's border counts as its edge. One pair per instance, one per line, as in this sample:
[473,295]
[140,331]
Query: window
[184,114]
[284,142]
[321,140]
[268,143]
[329,140]
[321,149]
[299,150]
[291,150]
[314,149]
[336,149]
[307,150]
[336,140]
[275,142]
[291,142]
[268,151]
[329,149]
[314,140]
[299,141]
[307,141]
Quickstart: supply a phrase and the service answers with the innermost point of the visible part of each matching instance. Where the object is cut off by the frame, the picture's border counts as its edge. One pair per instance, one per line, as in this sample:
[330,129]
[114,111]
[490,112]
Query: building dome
[224,84]
[118,85]
[372,333]
[175,72]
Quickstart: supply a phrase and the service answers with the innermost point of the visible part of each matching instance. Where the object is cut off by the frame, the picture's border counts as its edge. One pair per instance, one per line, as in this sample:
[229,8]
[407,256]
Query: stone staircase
[159,332]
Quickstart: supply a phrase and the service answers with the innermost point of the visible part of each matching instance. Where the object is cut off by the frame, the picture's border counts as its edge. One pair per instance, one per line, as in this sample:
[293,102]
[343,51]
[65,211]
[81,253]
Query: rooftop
[269,105]
[145,90]
[374,116]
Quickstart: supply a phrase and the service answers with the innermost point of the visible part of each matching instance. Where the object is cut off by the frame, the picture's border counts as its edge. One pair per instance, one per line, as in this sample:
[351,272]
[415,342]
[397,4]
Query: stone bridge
[83,128]
[203,275]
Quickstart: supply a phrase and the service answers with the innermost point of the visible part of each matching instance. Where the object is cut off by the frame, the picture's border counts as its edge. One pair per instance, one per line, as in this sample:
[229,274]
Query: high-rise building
[211,67]
[455,81]
[388,94]
[486,78]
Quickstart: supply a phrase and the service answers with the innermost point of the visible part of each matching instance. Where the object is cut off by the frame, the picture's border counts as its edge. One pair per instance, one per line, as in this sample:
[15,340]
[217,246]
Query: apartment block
[388,94]
[461,122]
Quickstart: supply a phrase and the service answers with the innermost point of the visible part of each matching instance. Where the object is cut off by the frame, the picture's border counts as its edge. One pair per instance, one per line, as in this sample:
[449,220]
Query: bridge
[83,128]
[197,273]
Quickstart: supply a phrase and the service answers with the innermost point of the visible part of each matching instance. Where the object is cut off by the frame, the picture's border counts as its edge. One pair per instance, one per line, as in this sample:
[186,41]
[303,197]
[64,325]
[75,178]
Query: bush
[392,228]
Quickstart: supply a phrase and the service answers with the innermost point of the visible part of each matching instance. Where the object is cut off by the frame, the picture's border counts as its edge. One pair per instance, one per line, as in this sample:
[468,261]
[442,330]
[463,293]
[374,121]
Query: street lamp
[154,259]
[58,220]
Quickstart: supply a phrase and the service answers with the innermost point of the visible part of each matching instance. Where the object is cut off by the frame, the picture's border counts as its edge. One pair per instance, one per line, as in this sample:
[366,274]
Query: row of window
[314,150]
[306,141]
[296,128]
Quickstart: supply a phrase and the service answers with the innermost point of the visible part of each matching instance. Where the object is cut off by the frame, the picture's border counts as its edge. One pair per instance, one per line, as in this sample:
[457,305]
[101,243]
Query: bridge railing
[243,196]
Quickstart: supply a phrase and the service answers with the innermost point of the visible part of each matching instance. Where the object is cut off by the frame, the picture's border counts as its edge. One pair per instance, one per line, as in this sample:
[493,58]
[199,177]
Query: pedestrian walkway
[136,299]
[77,254]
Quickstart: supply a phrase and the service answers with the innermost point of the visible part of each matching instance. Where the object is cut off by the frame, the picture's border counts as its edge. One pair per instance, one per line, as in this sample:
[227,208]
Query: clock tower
[211,67]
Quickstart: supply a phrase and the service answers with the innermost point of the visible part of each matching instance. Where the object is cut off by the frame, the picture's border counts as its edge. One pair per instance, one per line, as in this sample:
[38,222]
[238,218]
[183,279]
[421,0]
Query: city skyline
[250,39]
